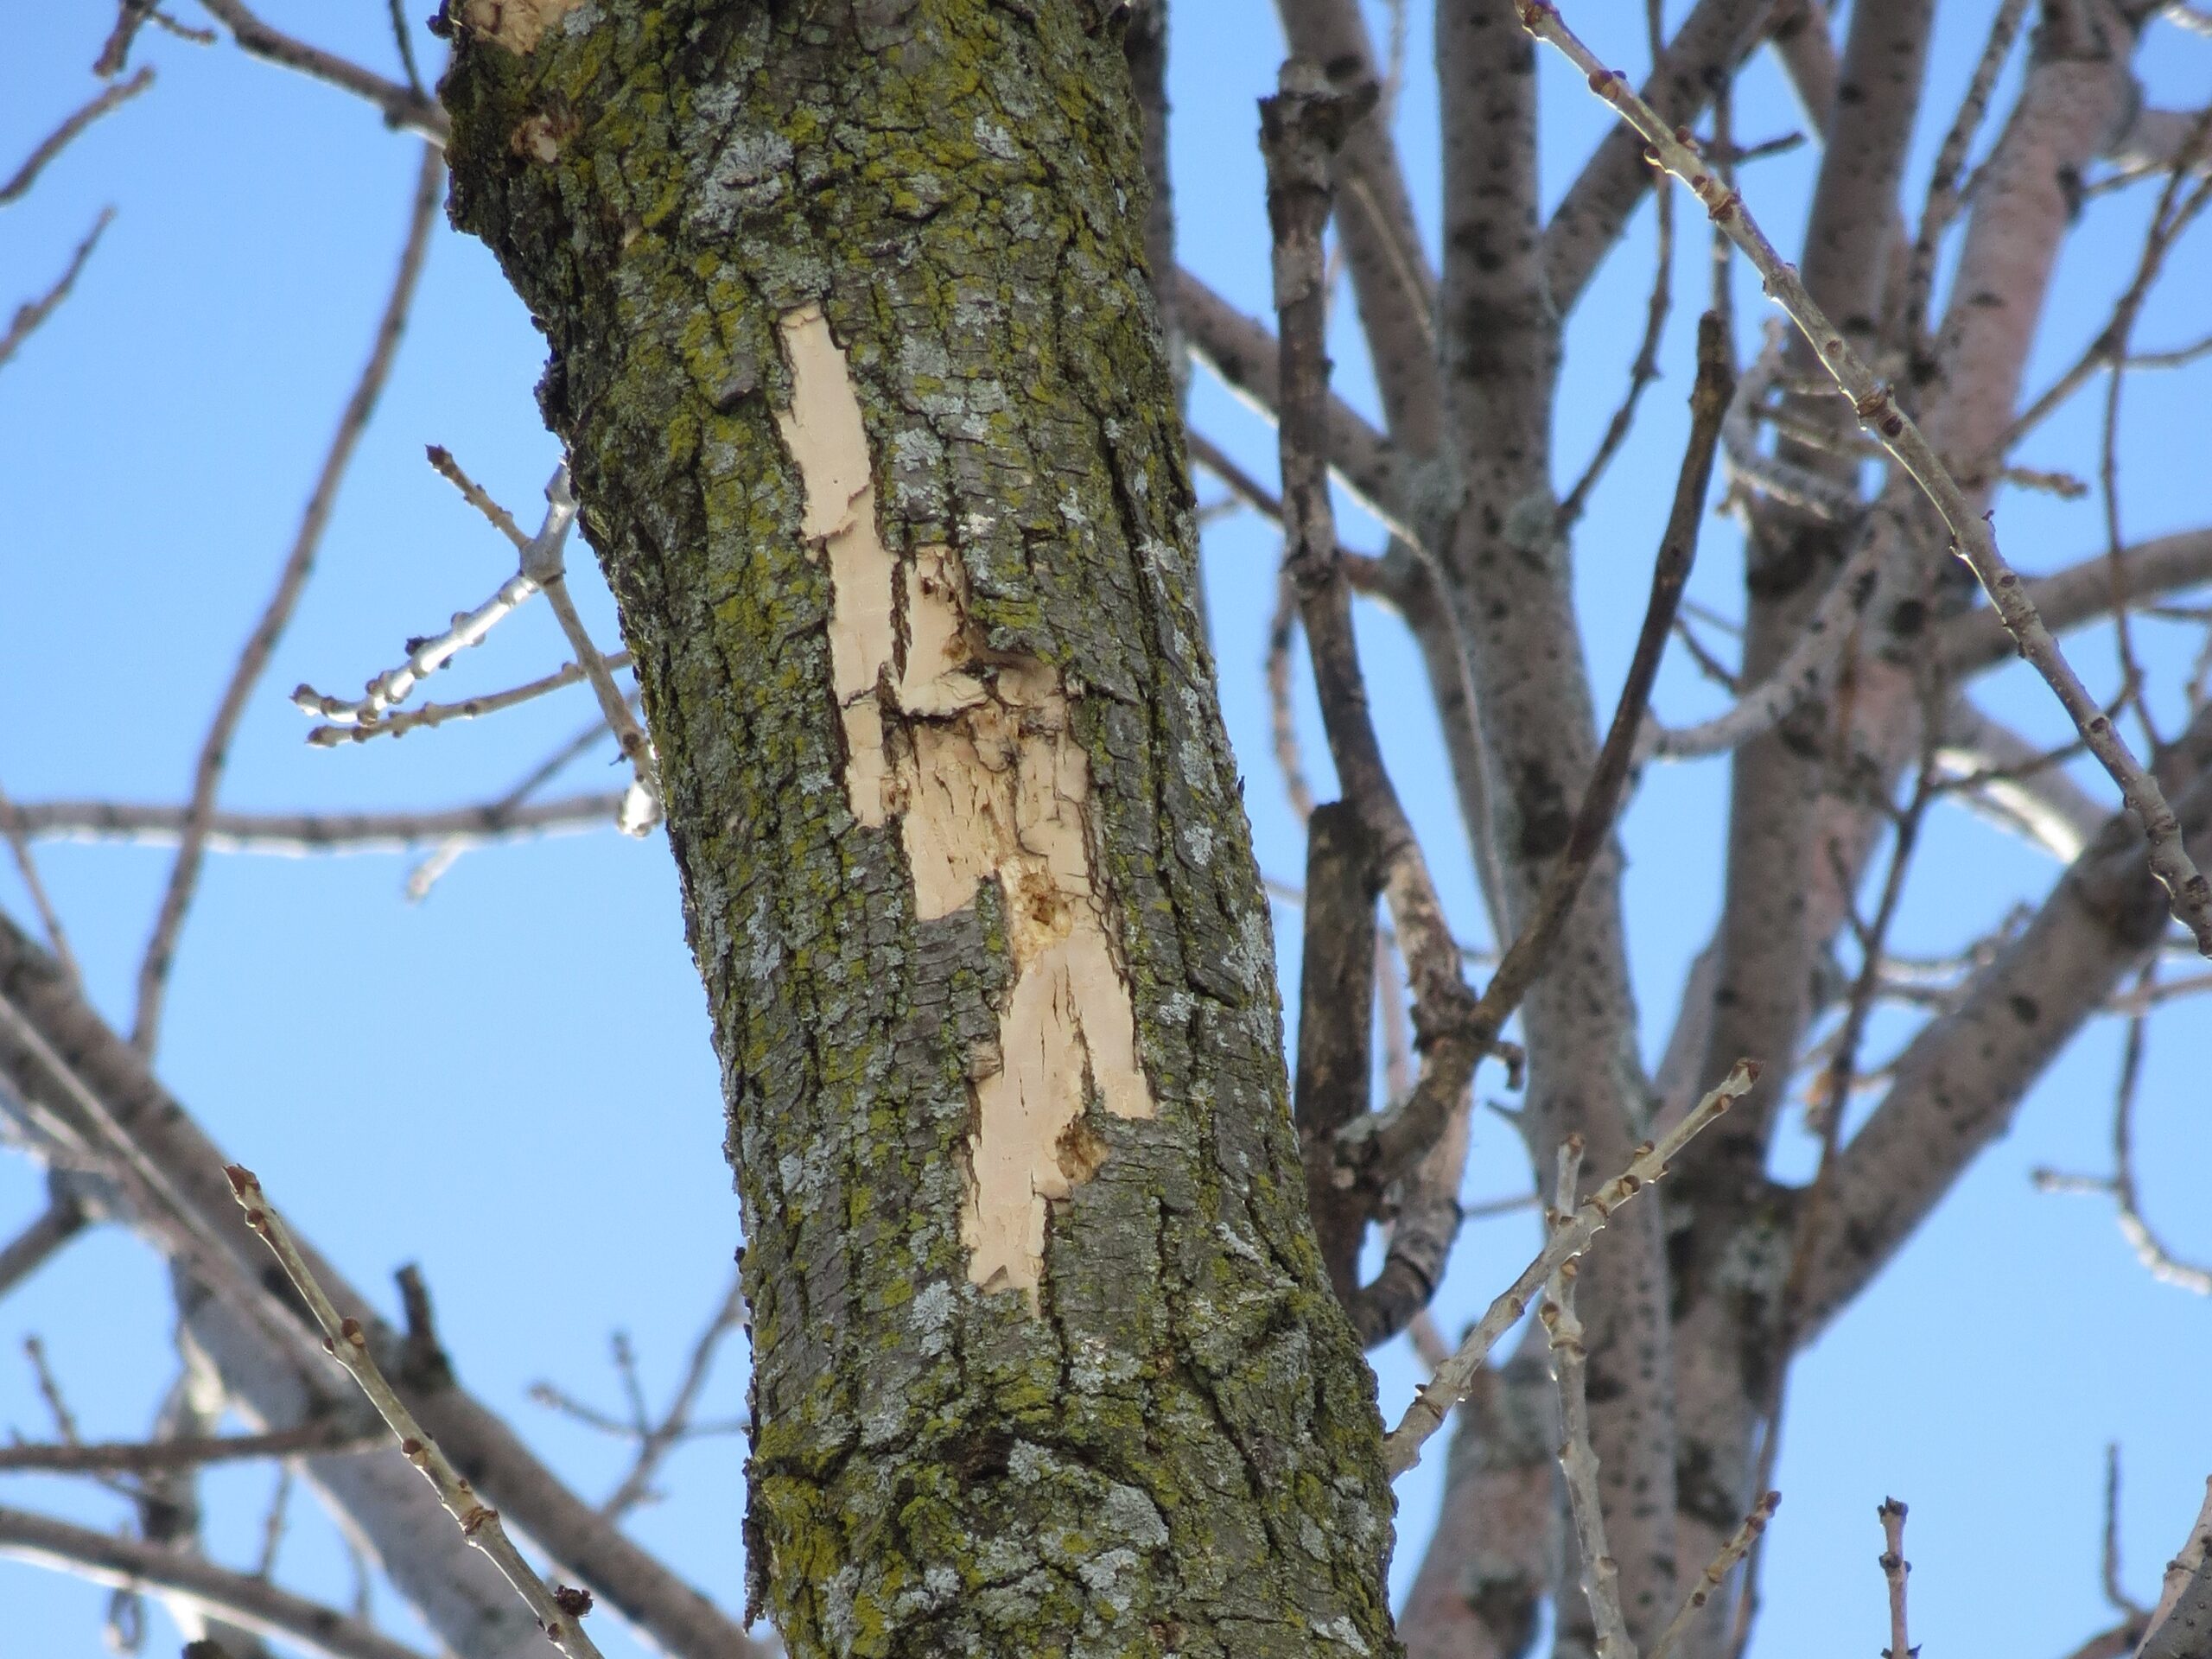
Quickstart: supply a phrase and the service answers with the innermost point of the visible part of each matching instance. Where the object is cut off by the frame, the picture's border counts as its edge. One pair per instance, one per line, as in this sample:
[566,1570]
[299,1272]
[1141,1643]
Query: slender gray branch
[256,1605]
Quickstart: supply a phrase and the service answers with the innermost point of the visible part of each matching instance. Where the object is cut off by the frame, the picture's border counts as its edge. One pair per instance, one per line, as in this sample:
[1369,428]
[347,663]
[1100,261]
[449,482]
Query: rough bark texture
[934,711]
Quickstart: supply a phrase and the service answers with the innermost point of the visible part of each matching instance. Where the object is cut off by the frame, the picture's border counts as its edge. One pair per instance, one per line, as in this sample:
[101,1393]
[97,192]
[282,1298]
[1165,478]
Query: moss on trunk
[1170,1444]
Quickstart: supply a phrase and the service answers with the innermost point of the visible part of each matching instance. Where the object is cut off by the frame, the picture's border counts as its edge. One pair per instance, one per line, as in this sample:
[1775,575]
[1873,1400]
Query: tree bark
[860,380]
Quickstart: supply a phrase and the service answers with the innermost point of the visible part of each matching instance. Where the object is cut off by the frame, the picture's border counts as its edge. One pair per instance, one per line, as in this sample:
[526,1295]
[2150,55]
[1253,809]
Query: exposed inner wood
[518,25]
[972,754]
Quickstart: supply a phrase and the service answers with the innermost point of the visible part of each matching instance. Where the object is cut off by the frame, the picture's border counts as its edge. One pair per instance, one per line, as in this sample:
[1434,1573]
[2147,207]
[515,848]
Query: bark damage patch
[971,752]
[518,25]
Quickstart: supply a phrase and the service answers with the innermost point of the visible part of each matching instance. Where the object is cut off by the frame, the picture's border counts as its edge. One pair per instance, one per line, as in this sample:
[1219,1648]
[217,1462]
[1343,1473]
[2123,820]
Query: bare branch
[401,722]
[54,142]
[1488,1565]
[2161,1263]
[215,750]
[1643,370]
[1300,127]
[32,313]
[2174,214]
[1783,479]
[676,1424]
[1716,1574]
[405,41]
[2109,1566]
[1597,206]
[426,873]
[148,1457]
[542,559]
[36,1245]
[165,1139]
[252,1603]
[299,834]
[1894,1569]
[1401,1448]
[2078,595]
[1336,1004]
[1944,194]
[19,847]
[1805,673]
[403,107]
[1381,1147]
[1391,278]
[1242,354]
[1578,1462]
[1241,485]
[427,654]
[1876,408]
[344,1337]
[1961,1077]
[2013,781]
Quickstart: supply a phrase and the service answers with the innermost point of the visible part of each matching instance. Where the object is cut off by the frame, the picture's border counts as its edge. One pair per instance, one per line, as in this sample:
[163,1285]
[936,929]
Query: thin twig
[542,560]
[57,937]
[299,833]
[1944,196]
[1401,1448]
[1894,1569]
[1835,501]
[1644,369]
[273,1523]
[2188,891]
[106,1559]
[2146,996]
[60,139]
[2167,222]
[1283,712]
[62,1220]
[657,1440]
[2178,357]
[401,722]
[446,466]
[405,41]
[2108,1565]
[427,653]
[1831,1101]
[72,1457]
[261,644]
[2173,215]
[1721,256]
[427,872]
[1206,452]
[403,107]
[1716,1574]
[49,1389]
[1381,1147]
[145,1185]
[1578,1458]
[343,1337]
[32,313]
[2150,1249]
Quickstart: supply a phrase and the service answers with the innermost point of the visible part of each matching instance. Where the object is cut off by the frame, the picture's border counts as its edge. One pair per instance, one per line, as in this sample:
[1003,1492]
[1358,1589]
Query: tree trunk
[860,380]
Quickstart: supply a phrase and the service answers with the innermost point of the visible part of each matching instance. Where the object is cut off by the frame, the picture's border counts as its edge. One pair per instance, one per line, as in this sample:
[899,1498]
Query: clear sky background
[512,1083]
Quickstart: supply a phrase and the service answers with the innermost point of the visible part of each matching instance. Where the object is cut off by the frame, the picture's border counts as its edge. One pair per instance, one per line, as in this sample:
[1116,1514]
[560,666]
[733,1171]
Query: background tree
[1850,746]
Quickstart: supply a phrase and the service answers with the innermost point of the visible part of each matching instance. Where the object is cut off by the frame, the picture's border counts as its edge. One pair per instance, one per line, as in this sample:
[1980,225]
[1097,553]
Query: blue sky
[512,1083]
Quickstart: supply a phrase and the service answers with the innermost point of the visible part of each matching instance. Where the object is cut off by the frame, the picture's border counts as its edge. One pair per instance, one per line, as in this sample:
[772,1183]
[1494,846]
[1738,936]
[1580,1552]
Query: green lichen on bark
[1177,1450]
